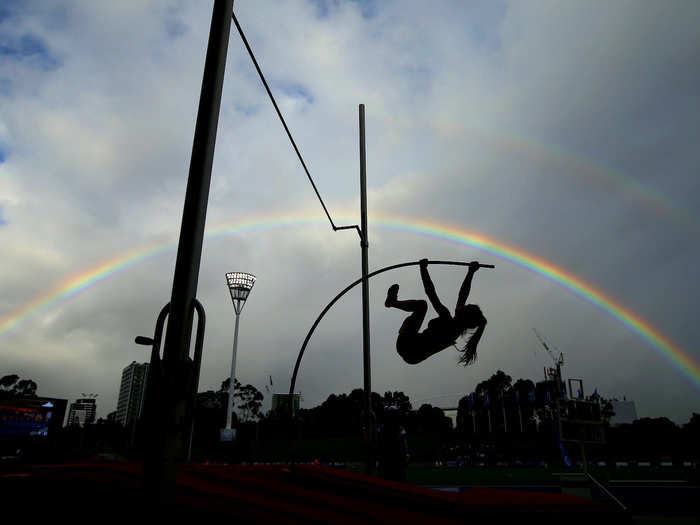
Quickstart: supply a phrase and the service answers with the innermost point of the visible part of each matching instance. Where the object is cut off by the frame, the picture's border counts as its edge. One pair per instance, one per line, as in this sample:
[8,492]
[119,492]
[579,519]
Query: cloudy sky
[556,140]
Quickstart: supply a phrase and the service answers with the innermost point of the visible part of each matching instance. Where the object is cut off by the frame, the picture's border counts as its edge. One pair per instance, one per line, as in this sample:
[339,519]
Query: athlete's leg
[418,307]
[407,343]
[409,305]
[412,323]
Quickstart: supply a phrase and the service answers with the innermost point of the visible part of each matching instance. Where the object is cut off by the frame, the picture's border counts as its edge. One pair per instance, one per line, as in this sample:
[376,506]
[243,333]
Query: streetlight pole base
[227,434]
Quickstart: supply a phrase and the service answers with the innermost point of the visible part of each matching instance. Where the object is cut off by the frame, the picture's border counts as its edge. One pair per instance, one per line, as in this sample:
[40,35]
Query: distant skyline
[556,140]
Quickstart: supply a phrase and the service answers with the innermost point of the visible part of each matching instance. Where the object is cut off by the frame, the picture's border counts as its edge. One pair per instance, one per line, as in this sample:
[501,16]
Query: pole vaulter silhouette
[345,290]
[415,346]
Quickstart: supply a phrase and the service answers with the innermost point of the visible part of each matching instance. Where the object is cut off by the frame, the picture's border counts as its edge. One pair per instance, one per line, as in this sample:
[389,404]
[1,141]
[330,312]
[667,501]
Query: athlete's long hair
[476,321]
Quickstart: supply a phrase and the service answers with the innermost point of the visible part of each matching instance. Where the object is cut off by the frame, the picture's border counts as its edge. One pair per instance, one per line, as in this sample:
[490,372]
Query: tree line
[510,419]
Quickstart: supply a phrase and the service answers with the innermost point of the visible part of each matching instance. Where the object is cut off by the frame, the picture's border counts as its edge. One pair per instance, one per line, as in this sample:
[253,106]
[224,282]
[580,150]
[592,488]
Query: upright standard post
[364,243]
[177,366]
[520,417]
[229,412]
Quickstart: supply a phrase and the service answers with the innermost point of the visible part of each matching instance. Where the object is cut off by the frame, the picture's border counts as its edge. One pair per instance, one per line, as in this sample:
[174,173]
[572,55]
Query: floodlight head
[239,285]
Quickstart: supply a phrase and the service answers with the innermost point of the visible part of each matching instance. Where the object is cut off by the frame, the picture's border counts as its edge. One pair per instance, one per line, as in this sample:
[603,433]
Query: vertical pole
[229,412]
[364,243]
[520,417]
[177,366]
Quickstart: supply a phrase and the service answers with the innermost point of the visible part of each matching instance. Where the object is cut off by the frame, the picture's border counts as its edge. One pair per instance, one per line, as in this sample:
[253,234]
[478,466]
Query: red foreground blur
[282,494]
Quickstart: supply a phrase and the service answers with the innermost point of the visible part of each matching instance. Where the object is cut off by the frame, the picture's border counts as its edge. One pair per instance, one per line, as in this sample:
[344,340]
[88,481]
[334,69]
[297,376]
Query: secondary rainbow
[568,164]
[78,283]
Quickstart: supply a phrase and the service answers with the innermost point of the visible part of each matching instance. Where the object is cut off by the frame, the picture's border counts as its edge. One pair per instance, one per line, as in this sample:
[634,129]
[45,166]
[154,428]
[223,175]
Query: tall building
[132,393]
[82,412]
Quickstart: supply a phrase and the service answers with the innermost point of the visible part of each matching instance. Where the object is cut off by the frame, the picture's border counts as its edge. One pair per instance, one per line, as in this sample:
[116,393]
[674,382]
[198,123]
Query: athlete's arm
[429,288]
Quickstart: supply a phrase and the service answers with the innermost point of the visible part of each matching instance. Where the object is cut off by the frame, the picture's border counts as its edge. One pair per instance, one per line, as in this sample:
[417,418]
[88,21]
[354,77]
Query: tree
[494,389]
[500,389]
[247,399]
[433,420]
[523,387]
[693,424]
[524,408]
[691,436]
[397,399]
[342,415]
[498,383]
[11,386]
[655,437]
[464,410]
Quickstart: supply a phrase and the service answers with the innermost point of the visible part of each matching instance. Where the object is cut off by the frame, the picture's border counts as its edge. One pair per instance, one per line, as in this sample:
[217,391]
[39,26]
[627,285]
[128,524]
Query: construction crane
[558,361]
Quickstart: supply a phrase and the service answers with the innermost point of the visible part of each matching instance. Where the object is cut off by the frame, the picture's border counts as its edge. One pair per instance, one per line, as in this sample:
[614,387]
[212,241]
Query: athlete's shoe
[392,295]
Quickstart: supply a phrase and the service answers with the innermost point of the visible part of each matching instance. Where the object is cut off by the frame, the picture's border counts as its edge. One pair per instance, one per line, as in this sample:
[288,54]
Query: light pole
[239,285]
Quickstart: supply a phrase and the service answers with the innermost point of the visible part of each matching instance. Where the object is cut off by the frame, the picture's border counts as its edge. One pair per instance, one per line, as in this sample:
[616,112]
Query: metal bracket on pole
[196,367]
[154,399]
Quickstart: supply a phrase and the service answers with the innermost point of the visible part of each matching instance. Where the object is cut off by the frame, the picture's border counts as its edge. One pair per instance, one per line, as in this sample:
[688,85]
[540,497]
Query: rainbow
[569,164]
[81,282]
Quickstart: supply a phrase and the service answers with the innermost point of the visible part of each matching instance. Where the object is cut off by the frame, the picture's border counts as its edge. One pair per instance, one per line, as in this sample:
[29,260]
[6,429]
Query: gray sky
[564,134]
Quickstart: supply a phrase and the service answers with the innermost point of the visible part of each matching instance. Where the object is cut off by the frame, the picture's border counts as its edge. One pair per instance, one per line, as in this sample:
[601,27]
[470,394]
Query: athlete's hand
[423,263]
[474,266]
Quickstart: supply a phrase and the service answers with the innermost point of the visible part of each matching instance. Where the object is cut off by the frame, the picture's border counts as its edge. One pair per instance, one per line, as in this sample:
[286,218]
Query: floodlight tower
[239,285]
